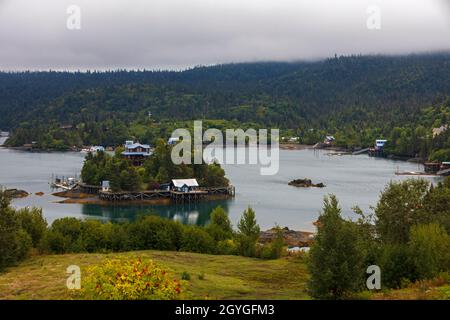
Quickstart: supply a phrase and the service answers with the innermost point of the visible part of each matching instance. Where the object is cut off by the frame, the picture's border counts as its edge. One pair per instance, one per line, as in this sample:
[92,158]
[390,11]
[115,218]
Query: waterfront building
[173,141]
[184,185]
[136,152]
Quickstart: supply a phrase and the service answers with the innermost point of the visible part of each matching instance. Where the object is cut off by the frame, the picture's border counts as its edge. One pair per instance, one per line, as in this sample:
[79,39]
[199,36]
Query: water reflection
[188,213]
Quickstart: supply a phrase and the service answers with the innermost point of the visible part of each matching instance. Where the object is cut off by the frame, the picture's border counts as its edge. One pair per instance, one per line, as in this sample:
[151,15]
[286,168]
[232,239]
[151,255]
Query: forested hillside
[356,98]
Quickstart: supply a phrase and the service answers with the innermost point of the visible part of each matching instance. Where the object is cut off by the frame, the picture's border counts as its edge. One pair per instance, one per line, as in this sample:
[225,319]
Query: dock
[366,150]
[445,172]
[414,173]
[174,196]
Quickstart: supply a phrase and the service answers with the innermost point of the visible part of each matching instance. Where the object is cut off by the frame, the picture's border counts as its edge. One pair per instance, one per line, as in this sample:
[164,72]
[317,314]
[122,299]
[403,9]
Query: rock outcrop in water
[305,183]
[16,193]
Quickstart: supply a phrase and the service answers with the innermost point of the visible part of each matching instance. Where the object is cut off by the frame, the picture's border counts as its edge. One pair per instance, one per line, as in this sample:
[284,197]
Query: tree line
[407,237]
[356,98]
[24,231]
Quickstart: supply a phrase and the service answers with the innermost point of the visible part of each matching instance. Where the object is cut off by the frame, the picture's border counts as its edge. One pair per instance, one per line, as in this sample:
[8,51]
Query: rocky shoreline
[291,238]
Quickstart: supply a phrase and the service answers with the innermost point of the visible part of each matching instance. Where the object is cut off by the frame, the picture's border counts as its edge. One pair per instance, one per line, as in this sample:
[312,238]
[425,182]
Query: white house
[184,185]
[173,140]
[105,186]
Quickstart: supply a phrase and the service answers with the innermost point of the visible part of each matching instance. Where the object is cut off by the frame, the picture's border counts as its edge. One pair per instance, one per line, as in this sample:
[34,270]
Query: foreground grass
[224,277]
[434,289]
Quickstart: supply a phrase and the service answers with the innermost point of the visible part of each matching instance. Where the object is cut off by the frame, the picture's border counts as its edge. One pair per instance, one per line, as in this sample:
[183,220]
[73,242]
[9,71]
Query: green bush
[227,247]
[32,221]
[55,242]
[153,232]
[220,226]
[185,276]
[399,209]
[23,243]
[274,249]
[396,265]
[430,250]
[196,239]
[15,242]
[96,236]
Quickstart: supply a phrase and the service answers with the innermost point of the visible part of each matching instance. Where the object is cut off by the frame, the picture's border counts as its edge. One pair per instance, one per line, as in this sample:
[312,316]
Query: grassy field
[225,277]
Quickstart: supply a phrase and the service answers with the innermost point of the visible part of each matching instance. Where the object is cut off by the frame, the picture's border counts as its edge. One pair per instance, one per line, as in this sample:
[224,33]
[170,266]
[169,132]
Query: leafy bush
[430,249]
[153,232]
[130,279]
[32,221]
[227,247]
[220,226]
[185,276]
[399,208]
[55,242]
[96,236]
[397,268]
[196,239]
[15,242]
[64,236]
[274,249]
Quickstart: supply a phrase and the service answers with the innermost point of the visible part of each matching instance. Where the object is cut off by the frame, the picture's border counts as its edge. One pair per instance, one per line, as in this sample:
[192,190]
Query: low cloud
[174,34]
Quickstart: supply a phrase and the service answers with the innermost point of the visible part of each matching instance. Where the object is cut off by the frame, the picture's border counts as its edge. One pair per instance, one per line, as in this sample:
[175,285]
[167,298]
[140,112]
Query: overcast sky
[174,34]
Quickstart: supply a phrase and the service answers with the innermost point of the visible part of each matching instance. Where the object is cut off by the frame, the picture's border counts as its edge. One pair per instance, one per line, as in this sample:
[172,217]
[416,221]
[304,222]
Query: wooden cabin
[137,153]
[184,185]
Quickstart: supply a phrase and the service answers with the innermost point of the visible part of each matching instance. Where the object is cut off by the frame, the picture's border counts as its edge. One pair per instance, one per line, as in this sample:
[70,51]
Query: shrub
[396,266]
[430,248]
[335,258]
[220,226]
[95,236]
[130,279]
[23,244]
[33,222]
[195,239]
[54,242]
[15,242]
[185,276]
[119,237]
[153,232]
[227,247]
[399,208]
[64,235]
[274,249]
[248,234]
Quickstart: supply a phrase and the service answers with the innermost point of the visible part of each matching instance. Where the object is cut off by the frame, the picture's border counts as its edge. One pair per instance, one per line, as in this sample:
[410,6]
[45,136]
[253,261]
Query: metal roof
[188,182]
[137,145]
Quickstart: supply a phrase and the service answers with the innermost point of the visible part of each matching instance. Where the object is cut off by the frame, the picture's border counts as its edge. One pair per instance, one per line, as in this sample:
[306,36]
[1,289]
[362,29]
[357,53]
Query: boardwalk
[174,196]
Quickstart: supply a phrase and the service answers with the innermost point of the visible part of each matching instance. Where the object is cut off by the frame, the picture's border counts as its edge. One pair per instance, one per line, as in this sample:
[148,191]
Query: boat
[64,183]
[93,149]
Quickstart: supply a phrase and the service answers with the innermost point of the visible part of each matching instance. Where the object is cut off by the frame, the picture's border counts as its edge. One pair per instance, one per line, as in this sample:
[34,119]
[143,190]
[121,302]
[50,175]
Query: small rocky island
[16,193]
[305,183]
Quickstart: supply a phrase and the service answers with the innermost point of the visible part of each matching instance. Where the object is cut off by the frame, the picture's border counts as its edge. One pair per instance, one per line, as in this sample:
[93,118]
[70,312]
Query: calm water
[356,180]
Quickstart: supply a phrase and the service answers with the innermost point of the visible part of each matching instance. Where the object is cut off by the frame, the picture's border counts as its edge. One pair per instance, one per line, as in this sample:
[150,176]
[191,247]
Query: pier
[174,196]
